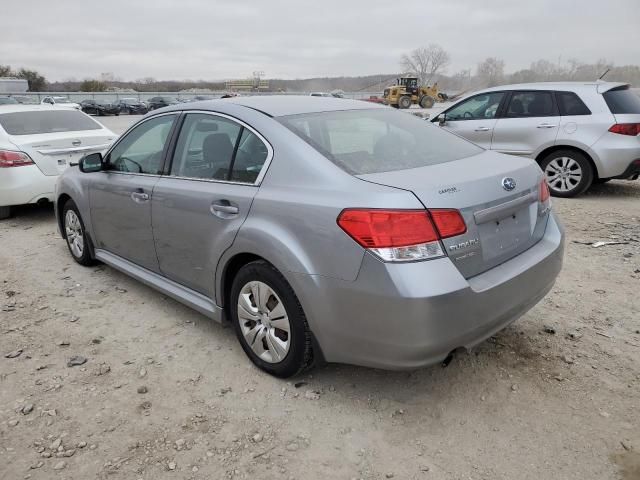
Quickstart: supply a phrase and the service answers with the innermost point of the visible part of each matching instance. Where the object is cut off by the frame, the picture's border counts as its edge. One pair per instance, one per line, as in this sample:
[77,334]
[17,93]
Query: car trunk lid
[53,153]
[502,219]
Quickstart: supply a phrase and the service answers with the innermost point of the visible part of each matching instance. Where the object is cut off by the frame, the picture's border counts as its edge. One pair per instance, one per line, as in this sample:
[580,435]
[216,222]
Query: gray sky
[218,39]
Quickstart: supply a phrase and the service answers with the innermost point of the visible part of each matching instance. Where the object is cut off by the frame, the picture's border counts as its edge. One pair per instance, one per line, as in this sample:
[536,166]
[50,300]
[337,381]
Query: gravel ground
[103,377]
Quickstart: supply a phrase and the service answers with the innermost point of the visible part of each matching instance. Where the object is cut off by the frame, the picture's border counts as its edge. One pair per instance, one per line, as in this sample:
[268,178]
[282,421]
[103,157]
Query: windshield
[373,141]
[30,123]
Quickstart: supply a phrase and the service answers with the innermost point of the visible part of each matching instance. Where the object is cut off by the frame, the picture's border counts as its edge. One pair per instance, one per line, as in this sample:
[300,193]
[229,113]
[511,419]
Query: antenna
[605,72]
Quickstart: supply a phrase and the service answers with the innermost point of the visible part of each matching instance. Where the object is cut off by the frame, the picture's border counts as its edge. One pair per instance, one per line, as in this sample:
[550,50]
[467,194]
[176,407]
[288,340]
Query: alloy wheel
[264,322]
[563,174]
[73,230]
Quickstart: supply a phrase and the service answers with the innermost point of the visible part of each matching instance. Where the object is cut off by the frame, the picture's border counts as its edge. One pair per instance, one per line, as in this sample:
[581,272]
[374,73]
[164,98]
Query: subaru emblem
[508,183]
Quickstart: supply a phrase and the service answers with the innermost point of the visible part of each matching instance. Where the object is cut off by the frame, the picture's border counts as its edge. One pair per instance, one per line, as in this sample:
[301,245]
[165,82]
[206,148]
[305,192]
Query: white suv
[579,132]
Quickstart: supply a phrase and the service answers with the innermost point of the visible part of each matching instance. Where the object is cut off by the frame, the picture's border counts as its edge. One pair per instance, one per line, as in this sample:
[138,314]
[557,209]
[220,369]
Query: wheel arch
[60,202]
[554,148]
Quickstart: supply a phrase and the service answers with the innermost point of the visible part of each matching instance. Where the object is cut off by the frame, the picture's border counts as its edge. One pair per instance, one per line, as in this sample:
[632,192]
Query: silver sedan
[322,229]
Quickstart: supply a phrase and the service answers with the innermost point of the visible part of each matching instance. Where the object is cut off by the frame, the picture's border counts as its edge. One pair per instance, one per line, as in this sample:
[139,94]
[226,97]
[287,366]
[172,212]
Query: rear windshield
[380,140]
[30,123]
[622,100]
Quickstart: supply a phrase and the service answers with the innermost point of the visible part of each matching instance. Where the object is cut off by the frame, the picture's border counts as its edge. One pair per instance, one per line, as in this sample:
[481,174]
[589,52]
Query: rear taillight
[401,235]
[543,191]
[631,129]
[9,158]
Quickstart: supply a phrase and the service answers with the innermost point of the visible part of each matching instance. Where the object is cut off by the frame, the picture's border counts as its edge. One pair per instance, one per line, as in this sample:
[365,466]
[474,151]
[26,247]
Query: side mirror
[442,119]
[91,163]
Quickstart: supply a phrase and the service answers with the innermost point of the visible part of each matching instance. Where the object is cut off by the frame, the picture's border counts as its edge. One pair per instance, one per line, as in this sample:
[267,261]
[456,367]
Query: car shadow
[30,214]
[614,188]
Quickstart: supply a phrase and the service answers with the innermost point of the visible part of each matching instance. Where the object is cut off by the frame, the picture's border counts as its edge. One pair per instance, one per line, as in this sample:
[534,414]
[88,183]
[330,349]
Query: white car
[37,143]
[60,102]
[580,133]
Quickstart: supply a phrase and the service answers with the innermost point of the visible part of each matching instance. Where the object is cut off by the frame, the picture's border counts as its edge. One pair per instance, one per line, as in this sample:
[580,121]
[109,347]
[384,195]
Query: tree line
[37,82]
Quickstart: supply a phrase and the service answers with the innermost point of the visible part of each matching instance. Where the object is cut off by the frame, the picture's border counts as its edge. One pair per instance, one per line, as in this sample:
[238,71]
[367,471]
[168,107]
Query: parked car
[25,100]
[60,102]
[322,229]
[132,106]
[100,107]
[159,102]
[8,101]
[37,143]
[579,132]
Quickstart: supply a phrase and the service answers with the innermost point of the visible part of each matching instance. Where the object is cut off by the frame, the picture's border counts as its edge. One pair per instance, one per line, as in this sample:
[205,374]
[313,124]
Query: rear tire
[404,102]
[427,102]
[568,173]
[263,306]
[78,242]
[5,212]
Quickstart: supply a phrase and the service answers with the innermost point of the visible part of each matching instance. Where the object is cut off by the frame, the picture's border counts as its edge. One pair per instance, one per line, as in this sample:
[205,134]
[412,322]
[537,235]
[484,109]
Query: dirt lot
[165,393]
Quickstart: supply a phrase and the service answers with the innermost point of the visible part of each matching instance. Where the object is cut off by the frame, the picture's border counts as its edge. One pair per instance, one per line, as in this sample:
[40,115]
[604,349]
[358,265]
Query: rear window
[622,100]
[373,141]
[30,123]
[570,104]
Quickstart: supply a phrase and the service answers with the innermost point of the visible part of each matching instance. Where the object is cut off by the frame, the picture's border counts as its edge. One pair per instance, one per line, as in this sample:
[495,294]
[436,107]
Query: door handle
[482,129]
[139,196]
[547,125]
[224,209]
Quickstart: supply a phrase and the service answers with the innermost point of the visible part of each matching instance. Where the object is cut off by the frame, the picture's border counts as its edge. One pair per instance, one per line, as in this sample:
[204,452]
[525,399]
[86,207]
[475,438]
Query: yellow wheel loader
[406,92]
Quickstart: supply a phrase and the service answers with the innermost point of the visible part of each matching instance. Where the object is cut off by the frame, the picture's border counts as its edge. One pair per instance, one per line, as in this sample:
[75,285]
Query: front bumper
[27,184]
[402,316]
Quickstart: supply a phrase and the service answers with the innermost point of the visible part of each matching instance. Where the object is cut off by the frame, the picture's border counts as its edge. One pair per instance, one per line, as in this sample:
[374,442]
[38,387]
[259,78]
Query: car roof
[21,107]
[602,86]
[282,105]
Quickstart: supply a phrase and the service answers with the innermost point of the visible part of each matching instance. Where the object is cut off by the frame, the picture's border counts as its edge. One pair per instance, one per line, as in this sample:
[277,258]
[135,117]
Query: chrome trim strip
[58,151]
[503,210]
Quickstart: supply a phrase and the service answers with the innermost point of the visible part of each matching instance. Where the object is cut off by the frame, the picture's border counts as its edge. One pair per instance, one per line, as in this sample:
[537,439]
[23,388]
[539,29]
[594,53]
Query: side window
[205,147]
[531,104]
[249,159]
[570,104]
[480,107]
[140,151]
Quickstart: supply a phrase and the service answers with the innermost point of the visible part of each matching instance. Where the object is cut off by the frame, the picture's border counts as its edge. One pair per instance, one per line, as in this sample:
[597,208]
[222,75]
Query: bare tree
[425,62]
[491,71]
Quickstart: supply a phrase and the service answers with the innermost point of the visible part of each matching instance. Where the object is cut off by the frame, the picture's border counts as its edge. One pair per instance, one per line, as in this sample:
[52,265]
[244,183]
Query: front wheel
[77,240]
[269,321]
[427,102]
[568,173]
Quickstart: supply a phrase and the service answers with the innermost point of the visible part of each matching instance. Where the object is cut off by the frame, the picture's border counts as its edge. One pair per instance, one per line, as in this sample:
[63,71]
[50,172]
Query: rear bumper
[614,154]
[402,316]
[22,185]
[632,172]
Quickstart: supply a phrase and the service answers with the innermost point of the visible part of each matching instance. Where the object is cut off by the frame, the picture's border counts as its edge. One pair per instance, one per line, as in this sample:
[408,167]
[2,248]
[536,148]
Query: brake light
[401,235]
[631,129]
[543,191]
[449,222]
[9,158]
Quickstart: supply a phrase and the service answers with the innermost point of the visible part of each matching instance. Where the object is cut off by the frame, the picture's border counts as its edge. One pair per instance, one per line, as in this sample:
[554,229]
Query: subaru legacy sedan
[322,229]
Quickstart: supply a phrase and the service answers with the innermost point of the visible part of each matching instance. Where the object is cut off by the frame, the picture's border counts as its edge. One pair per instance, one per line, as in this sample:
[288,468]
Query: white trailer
[13,85]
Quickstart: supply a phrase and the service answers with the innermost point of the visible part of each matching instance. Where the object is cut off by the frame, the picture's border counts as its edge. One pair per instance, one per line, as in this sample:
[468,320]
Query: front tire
[269,321]
[77,240]
[427,102]
[568,173]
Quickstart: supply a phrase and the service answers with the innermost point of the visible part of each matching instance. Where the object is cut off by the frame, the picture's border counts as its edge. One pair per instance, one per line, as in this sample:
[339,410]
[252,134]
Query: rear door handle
[547,125]
[482,129]
[139,196]
[224,209]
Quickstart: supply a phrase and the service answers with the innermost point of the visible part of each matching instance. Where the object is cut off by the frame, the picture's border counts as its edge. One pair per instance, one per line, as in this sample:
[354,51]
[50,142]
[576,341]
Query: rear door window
[570,104]
[622,100]
[32,123]
[531,104]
